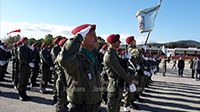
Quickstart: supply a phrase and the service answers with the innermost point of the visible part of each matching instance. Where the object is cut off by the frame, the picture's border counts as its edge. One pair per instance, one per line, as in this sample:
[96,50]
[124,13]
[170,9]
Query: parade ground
[165,94]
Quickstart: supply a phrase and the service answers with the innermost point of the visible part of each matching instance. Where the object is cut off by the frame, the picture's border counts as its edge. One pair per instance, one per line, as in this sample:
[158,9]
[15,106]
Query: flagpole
[147,38]
[160,1]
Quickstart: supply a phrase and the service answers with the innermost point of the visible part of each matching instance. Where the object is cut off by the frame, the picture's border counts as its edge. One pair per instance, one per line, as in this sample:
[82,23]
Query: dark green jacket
[82,75]
[46,57]
[114,69]
[24,54]
[54,52]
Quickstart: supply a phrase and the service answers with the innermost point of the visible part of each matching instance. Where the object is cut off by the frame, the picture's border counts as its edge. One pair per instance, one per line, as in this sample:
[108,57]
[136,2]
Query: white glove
[132,87]
[51,68]
[127,109]
[146,73]
[138,67]
[128,55]
[32,65]
[85,31]
[2,63]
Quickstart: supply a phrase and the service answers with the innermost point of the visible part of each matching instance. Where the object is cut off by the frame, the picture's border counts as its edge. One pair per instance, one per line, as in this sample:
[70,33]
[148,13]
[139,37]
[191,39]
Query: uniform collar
[89,54]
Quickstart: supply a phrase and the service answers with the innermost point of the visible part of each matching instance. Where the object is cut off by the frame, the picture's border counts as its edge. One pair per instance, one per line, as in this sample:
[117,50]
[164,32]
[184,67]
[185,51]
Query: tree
[48,39]
[11,40]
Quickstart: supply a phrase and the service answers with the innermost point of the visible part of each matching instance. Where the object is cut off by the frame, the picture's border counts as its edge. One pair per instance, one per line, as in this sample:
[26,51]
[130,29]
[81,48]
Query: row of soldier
[85,76]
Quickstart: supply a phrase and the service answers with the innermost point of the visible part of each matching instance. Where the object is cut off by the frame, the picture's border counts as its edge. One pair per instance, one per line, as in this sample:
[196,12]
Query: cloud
[35,30]
[38,31]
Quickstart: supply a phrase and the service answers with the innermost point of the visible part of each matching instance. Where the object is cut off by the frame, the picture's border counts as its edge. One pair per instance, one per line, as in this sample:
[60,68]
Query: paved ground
[170,93]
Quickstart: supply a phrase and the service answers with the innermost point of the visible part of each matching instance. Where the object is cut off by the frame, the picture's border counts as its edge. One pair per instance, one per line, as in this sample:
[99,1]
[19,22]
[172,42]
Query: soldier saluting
[82,70]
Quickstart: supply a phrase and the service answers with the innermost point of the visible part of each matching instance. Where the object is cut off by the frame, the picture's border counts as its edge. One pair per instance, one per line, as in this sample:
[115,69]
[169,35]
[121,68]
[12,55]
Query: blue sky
[176,19]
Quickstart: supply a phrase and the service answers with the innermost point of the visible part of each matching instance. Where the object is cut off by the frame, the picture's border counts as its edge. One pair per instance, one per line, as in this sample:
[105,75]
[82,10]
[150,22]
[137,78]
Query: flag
[18,30]
[164,50]
[146,18]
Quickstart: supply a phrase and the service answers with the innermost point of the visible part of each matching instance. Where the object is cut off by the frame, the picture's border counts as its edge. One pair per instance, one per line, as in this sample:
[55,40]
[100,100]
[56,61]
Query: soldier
[47,67]
[103,76]
[138,62]
[2,61]
[174,63]
[197,68]
[14,58]
[116,74]
[192,66]
[7,58]
[181,66]
[24,69]
[36,60]
[16,65]
[82,70]
[54,53]
[164,65]
[61,84]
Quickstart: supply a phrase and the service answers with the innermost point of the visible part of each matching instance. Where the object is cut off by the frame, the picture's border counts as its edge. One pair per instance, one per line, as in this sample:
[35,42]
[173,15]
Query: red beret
[43,44]
[81,27]
[62,41]
[130,39]
[34,45]
[104,47]
[56,40]
[18,42]
[23,39]
[113,38]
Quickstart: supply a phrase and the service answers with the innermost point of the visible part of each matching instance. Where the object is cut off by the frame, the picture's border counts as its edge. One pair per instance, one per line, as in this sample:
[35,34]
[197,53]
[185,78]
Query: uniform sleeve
[67,58]
[113,62]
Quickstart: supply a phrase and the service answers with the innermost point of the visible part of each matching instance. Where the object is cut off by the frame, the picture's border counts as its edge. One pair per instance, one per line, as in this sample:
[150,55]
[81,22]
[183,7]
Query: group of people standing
[84,75]
[194,66]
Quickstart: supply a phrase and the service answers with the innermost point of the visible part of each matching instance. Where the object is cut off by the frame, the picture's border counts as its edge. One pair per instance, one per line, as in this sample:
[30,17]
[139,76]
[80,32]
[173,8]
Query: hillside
[177,44]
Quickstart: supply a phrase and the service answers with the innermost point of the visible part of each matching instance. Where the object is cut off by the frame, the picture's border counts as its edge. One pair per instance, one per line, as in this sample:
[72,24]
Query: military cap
[62,41]
[43,44]
[34,45]
[18,42]
[82,27]
[23,39]
[104,47]
[56,40]
[130,39]
[113,38]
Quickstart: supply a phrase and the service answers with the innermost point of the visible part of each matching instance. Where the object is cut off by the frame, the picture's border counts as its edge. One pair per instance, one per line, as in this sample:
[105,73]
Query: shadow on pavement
[35,99]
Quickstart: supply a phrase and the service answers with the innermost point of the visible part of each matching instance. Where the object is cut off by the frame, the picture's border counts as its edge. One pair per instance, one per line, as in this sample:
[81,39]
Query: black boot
[22,97]
[26,96]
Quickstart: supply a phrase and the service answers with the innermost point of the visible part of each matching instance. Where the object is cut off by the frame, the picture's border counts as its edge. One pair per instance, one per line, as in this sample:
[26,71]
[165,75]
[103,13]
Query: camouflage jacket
[24,54]
[82,75]
[114,70]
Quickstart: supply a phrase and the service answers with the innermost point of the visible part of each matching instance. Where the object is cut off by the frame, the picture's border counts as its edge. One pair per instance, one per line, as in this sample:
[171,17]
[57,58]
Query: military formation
[84,75]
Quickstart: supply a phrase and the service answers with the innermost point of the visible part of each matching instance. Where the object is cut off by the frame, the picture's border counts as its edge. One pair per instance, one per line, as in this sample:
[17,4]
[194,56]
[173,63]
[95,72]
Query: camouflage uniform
[24,70]
[117,75]
[35,70]
[82,76]
[54,53]
[46,64]
[137,60]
